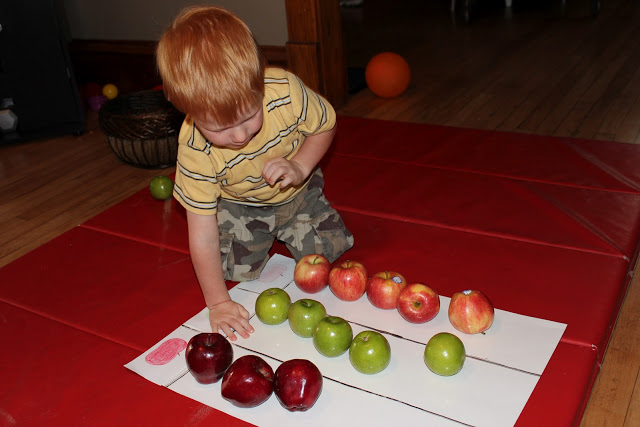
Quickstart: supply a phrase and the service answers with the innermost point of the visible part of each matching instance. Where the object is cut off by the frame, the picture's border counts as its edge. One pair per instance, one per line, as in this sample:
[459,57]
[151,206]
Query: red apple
[208,357]
[418,303]
[383,289]
[470,312]
[348,280]
[248,382]
[312,273]
[297,384]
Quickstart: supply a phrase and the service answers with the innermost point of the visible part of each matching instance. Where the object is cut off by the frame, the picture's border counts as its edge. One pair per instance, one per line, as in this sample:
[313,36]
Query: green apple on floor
[161,187]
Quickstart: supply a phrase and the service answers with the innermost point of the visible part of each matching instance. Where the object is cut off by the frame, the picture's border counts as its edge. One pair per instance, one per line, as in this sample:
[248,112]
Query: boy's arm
[300,166]
[204,245]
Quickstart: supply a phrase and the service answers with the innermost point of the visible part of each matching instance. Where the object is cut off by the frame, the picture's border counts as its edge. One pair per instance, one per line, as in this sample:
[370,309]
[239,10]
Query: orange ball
[387,74]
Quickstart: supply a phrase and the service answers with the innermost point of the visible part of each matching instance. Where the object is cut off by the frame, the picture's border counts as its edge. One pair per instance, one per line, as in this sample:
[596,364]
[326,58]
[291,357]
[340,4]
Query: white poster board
[501,370]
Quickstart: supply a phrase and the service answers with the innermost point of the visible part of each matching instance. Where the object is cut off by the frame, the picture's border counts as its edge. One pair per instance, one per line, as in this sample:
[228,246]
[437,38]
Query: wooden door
[315,50]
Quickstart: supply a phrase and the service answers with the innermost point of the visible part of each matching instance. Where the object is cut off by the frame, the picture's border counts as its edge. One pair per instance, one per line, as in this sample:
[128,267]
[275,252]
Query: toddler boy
[247,157]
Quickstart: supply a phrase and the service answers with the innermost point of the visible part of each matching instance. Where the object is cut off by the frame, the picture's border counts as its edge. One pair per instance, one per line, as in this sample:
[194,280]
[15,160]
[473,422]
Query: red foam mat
[142,218]
[566,161]
[53,374]
[547,227]
[57,375]
[584,219]
[129,292]
[490,189]
[561,394]
[95,277]
[582,289]
[591,220]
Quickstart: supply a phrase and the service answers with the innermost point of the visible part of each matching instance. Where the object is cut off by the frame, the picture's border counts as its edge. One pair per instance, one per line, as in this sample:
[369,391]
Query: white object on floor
[502,367]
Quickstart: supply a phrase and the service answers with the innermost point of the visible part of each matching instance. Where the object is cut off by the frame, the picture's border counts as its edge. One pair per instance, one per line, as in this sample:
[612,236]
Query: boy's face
[233,136]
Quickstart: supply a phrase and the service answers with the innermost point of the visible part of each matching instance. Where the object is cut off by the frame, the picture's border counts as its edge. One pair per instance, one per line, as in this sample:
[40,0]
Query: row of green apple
[369,351]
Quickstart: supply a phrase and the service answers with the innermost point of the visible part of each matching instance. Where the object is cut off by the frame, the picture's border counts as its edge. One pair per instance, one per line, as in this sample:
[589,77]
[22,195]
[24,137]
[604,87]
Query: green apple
[304,315]
[161,187]
[444,354]
[332,336]
[272,306]
[370,352]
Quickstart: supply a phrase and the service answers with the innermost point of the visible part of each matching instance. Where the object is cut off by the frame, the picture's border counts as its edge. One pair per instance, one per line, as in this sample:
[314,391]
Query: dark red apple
[208,357]
[297,384]
[248,382]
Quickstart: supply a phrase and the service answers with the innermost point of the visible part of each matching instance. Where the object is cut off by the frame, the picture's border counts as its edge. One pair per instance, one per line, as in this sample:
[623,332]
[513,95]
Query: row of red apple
[470,311]
[250,380]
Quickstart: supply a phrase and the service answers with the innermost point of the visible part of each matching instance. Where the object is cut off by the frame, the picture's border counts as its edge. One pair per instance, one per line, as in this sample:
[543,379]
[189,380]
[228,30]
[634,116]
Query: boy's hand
[300,166]
[288,171]
[229,316]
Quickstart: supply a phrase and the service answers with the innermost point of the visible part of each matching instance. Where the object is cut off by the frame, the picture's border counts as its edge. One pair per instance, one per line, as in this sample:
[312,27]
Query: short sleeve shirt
[205,173]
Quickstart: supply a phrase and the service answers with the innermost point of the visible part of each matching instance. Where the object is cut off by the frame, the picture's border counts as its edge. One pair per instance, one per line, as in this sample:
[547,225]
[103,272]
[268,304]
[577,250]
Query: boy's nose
[239,135]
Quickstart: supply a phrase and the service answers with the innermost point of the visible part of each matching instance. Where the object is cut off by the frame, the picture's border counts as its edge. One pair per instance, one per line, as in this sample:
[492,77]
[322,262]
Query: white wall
[147,19]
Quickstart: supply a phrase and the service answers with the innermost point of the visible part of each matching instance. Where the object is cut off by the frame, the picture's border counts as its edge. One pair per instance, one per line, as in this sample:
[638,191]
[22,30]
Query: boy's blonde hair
[211,65]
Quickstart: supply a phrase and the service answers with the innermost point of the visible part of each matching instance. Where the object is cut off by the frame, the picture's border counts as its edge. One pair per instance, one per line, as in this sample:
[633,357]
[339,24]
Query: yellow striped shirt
[206,172]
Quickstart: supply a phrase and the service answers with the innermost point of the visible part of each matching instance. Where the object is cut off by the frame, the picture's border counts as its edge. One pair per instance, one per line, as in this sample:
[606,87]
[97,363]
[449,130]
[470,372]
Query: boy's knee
[245,273]
[326,235]
[243,260]
[333,237]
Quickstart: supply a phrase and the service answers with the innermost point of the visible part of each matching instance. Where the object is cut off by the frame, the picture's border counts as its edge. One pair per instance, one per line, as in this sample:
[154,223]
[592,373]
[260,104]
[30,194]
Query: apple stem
[482,333]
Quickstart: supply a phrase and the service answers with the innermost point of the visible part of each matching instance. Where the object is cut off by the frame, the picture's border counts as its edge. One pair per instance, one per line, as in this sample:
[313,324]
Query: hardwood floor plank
[50,186]
[633,415]
[610,88]
[621,121]
[629,128]
[567,119]
[590,56]
[546,82]
[609,405]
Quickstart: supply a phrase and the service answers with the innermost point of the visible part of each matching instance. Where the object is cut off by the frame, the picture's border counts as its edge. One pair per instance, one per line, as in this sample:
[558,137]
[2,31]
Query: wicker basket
[142,128]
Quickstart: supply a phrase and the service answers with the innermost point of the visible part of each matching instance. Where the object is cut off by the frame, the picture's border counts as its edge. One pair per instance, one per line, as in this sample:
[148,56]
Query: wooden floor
[533,70]
[536,71]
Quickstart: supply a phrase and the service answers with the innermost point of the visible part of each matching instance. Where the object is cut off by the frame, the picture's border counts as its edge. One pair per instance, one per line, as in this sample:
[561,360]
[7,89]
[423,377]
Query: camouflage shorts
[307,224]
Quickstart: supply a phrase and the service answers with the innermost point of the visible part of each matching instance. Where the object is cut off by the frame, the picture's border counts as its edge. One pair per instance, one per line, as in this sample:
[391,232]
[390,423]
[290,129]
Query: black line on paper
[399,401]
[382,331]
[362,389]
